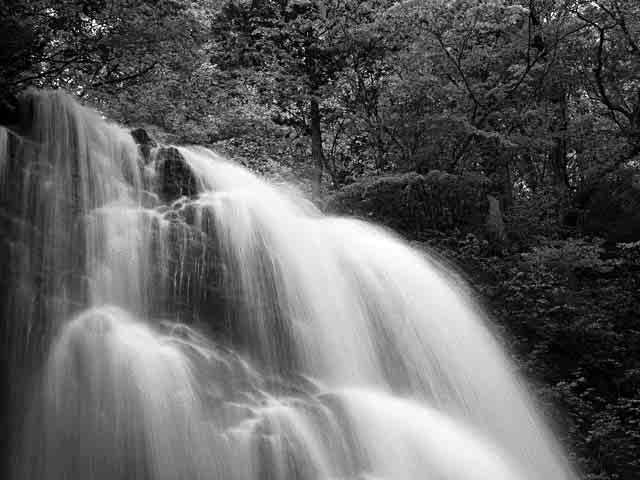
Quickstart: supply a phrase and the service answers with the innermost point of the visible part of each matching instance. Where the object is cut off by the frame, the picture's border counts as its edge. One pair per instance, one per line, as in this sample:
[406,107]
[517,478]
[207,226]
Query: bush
[415,204]
[611,206]
[568,310]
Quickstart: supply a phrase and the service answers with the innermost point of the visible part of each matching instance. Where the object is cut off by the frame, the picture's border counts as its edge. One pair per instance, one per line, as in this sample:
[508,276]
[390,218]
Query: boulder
[176,178]
[144,141]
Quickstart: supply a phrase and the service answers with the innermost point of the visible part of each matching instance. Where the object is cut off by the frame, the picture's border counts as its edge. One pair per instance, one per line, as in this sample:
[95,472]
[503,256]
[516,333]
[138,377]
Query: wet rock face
[142,137]
[176,178]
[145,142]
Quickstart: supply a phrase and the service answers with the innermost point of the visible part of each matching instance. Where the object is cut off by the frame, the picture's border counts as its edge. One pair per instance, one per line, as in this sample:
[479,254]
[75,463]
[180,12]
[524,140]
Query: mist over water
[234,333]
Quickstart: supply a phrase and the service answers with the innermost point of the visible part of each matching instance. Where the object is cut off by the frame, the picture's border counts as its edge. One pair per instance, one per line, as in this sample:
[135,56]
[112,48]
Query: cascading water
[339,351]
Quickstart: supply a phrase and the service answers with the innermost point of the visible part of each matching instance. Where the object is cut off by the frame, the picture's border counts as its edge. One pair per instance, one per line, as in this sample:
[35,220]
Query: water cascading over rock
[170,315]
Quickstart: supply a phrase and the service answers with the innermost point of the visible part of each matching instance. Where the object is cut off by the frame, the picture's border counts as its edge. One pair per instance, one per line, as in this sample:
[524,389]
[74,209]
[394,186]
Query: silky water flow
[235,332]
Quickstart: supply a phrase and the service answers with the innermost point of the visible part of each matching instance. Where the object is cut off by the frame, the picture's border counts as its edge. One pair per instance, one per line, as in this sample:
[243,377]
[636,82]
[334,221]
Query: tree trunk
[559,163]
[380,160]
[317,153]
[507,183]
[558,156]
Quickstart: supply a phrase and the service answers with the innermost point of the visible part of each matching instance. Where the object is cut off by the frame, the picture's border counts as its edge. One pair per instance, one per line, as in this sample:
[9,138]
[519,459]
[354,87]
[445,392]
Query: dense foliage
[410,113]
[569,310]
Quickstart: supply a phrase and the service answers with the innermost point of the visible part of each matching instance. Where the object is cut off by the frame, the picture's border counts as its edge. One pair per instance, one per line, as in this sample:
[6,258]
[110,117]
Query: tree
[609,41]
[94,48]
[293,52]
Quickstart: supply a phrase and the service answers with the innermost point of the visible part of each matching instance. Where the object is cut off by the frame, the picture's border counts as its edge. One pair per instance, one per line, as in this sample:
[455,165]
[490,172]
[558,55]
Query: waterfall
[170,315]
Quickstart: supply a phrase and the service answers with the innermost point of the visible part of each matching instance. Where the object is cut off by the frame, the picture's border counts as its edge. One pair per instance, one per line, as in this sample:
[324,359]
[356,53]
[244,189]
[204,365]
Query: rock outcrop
[144,141]
[175,176]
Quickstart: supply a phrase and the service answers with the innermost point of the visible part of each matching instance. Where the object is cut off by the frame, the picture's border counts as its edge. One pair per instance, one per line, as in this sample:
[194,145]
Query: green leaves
[95,48]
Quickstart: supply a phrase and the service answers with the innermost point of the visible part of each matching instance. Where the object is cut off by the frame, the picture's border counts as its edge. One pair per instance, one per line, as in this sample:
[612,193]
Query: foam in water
[339,351]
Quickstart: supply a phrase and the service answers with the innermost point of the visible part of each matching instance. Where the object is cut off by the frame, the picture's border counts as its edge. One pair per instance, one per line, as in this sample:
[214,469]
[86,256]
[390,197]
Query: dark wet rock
[176,178]
[144,141]
[9,110]
[142,137]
